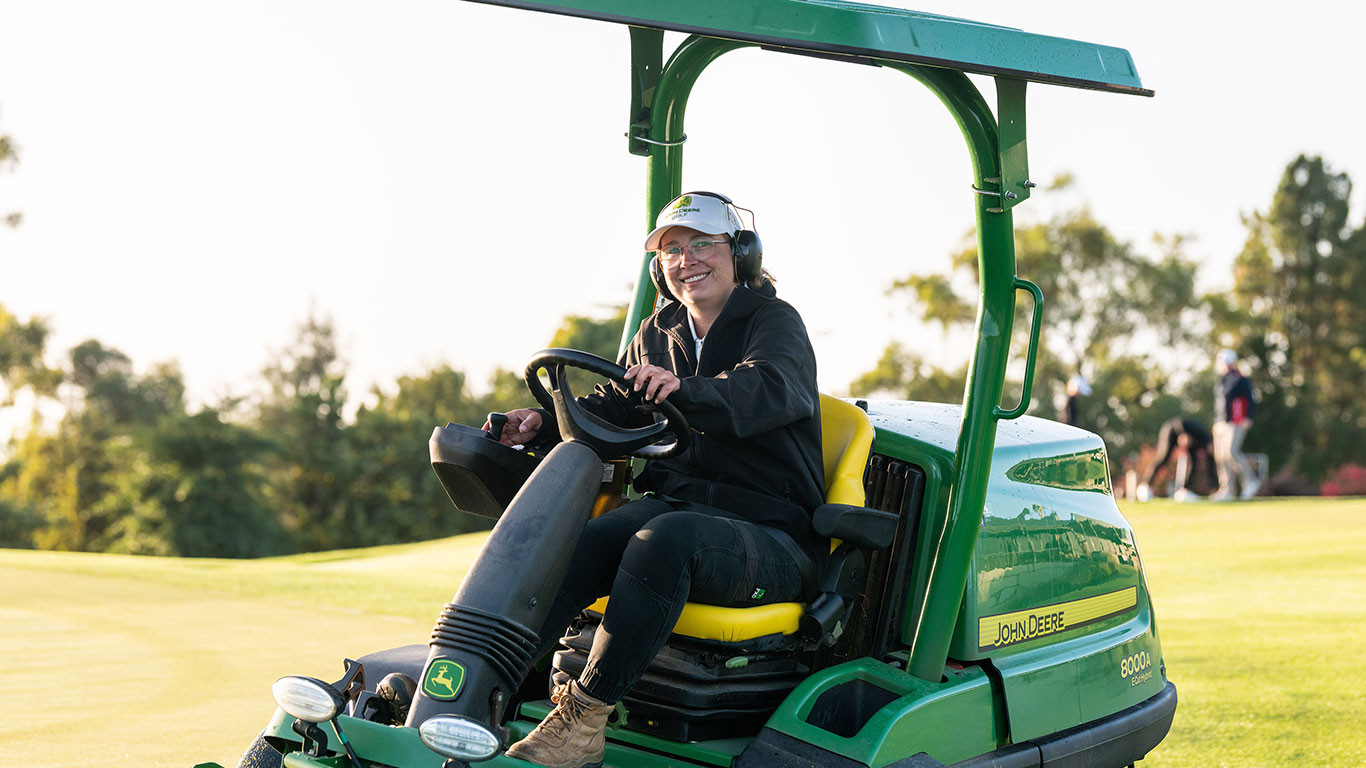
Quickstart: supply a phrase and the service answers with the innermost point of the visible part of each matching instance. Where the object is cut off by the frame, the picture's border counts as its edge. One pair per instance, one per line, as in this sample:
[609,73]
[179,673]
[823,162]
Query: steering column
[482,645]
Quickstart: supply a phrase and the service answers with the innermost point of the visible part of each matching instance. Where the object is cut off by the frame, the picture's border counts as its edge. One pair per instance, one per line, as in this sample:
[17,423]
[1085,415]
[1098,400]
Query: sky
[446,180]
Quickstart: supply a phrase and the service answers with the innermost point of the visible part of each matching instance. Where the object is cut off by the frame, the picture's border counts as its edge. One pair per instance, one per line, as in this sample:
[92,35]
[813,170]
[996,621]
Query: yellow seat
[846,440]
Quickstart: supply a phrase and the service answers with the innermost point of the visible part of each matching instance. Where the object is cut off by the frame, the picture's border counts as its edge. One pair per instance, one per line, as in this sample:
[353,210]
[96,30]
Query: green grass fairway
[113,660]
[160,662]
[1261,606]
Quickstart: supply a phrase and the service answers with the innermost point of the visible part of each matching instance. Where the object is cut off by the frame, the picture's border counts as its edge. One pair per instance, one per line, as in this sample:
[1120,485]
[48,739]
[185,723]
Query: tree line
[131,467]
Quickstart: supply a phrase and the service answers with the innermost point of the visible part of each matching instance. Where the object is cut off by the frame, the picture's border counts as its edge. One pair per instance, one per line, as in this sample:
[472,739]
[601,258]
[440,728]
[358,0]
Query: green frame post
[660,121]
[935,610]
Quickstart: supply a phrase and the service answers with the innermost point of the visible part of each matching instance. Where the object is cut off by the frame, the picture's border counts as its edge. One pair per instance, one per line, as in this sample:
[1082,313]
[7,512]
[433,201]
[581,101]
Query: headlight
[458,737]
[312,701]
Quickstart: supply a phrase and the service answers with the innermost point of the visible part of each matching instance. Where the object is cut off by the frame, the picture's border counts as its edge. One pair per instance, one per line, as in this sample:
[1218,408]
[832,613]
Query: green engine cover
[1056,599]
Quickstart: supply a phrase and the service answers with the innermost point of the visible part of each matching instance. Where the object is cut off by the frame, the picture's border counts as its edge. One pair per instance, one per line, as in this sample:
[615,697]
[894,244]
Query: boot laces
[559,692]
[568,712]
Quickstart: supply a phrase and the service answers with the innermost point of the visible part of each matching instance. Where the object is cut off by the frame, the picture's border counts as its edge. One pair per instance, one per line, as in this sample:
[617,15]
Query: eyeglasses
[698,249]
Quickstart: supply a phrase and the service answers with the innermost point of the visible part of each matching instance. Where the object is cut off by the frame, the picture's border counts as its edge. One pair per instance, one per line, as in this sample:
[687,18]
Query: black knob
[496,423]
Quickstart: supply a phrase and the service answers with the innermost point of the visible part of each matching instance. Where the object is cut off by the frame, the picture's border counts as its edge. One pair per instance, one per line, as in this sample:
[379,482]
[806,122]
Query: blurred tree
[114,395]
[301,415]
[191,487]
[112,405]
[22,347]
[395,495]
[38,485]
[1296,315]
[507,390]
[17,524]
[599,336]
[19,519]
[1106,308]
[903,375]
[68,477]
[9,158]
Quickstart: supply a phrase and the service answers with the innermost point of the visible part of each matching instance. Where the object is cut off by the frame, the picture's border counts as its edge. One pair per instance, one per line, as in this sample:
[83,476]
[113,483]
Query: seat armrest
[860,526]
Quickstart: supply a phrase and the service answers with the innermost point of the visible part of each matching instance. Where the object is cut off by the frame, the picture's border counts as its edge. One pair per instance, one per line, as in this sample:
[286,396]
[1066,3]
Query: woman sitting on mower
[727,521]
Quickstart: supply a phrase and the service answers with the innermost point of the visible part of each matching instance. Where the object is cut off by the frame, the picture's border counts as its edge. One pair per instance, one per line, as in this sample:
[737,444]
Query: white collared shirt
[696,341]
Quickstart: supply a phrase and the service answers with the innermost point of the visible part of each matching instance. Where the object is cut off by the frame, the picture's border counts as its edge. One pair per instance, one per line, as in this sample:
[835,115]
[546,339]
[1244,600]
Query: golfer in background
[1233,406]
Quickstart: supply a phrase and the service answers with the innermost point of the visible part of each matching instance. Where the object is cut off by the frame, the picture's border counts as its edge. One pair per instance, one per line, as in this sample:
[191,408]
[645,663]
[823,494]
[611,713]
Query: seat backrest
[846,441]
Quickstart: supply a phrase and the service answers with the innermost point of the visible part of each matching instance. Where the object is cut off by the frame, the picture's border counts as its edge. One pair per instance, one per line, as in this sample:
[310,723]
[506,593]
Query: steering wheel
[607,439]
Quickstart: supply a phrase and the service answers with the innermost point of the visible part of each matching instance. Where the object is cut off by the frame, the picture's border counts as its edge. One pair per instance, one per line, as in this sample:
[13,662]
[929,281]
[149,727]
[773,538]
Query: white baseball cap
[704,213]
[1227,357]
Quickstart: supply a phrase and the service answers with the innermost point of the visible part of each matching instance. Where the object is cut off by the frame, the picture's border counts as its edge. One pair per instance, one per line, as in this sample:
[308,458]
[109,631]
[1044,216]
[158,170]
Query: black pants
[652,556]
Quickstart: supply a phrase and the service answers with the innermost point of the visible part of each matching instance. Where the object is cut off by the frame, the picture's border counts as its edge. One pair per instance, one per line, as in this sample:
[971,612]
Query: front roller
[482,645]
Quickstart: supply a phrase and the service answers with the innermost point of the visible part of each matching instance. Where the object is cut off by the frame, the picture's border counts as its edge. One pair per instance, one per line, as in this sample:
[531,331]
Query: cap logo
[683,201]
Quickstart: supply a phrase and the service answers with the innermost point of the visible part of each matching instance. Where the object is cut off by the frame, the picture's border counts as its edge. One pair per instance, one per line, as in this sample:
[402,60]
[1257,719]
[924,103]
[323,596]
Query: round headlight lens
[304,698]
[458,737]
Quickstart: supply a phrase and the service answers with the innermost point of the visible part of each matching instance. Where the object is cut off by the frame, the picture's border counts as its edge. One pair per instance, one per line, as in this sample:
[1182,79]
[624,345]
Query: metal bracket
[647,62]
[997,193]
[1009,198]
[1014,183]
[675,143]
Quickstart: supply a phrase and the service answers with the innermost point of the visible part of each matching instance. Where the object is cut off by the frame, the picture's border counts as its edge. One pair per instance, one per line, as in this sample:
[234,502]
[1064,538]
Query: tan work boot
[571,736]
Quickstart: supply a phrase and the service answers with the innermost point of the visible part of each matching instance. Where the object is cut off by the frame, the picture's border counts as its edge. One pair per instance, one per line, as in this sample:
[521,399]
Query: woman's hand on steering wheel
[653,382]
[659,440]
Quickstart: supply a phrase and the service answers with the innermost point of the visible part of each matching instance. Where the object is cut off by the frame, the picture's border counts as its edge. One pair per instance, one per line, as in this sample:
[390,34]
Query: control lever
[496,423]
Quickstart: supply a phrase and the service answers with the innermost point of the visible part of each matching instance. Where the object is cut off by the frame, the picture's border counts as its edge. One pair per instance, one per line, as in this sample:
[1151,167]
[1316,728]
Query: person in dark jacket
[1233,407]
[727,521]
[1077,388]
[1185,440]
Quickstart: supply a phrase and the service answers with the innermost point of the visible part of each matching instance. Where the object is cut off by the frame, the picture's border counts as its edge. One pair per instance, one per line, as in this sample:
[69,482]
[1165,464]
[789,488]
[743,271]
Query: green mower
[984,603]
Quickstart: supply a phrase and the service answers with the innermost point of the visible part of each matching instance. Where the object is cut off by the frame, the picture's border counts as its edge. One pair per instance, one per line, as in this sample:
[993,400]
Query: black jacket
[1230,387]
[1200,438]
[753,406]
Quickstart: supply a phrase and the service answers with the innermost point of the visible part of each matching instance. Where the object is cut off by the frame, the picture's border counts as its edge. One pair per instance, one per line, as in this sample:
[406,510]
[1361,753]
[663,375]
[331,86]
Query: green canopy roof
[860,31]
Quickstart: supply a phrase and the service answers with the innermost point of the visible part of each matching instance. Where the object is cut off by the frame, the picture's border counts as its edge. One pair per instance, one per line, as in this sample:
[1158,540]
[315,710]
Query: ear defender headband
[747,254]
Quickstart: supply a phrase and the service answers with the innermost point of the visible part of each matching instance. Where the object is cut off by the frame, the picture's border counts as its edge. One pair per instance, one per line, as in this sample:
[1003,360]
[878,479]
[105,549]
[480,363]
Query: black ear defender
[657,277]
[747,251]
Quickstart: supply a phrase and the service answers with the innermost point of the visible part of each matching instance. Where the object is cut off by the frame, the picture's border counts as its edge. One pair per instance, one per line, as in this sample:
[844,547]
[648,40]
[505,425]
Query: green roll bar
[933,619]
[937,51]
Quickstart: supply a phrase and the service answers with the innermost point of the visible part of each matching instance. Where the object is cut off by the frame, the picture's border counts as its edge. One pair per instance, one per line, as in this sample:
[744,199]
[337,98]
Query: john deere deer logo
[443,679]
[683,201]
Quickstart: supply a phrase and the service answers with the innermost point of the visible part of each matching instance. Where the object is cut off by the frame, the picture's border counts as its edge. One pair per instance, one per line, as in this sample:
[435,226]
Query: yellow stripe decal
[1009,628]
